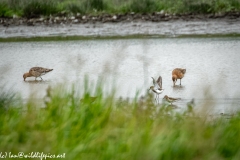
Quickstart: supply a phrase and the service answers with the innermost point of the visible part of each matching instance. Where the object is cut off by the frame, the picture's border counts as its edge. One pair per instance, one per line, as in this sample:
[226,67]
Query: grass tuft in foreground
[103,127]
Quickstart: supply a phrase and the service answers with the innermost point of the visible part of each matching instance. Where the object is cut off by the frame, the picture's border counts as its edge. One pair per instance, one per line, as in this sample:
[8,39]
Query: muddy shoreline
[155,24]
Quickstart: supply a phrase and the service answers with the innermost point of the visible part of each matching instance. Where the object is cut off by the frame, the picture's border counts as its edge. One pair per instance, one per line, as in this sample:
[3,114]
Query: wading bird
[157,88]
[178,73]
[191,105]
[36,72]
[170,99]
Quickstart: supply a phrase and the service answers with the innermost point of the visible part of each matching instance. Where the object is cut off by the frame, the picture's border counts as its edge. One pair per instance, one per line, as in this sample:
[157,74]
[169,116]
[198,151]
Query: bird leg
[156,98]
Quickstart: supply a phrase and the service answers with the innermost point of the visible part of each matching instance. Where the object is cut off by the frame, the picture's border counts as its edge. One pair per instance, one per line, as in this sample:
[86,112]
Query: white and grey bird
[36,72]
[157,88]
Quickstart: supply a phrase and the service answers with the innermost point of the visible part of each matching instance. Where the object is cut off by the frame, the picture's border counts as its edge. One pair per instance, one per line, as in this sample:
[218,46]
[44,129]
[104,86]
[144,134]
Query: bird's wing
[174,99]
[39,70]
[35,71]
[159,82]
[154,82]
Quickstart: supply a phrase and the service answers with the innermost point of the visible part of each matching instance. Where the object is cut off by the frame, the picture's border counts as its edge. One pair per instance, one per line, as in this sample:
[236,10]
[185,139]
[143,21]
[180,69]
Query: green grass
[81,127]
[37,8]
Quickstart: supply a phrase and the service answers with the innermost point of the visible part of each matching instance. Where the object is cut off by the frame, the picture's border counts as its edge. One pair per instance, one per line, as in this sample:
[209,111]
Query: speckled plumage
[36,72]
[170,99]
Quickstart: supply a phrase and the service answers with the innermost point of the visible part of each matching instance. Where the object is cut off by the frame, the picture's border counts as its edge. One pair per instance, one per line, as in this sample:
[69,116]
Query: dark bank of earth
[129,17]
[156,24]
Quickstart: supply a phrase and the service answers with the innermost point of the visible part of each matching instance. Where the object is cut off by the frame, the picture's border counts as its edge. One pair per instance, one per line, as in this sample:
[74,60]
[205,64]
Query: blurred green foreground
[103,127]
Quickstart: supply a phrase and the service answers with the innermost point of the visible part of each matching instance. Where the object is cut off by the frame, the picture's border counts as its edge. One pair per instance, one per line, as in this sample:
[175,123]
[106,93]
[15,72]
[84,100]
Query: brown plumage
[36,72]
[177,73]
[170,99]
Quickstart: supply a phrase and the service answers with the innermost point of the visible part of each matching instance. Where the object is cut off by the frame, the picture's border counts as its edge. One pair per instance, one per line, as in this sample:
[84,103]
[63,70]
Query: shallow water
[212,65]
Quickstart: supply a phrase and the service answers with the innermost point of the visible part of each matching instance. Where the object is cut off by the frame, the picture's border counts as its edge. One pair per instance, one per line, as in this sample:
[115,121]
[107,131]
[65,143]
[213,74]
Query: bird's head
[25,75]
[151,87]
[165,97]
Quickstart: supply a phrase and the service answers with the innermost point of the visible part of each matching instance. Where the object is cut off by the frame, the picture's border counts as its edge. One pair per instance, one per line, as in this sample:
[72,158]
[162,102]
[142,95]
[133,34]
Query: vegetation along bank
[83,11]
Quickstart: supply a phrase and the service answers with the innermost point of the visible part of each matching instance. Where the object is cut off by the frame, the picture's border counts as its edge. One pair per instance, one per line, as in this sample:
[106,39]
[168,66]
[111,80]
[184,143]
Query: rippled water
[213,65]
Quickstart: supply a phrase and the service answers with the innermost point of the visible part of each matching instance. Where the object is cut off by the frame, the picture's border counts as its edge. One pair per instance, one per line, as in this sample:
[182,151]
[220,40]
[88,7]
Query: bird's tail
[174,99]
[48,70]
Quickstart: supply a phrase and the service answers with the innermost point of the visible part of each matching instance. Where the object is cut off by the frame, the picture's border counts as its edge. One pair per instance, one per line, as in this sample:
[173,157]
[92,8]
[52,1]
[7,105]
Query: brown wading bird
[170,99]
[36,72]
[178,73]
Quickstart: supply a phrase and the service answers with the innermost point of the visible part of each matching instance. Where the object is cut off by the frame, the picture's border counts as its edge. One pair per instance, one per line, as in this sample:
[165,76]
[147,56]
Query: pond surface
[212,64]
